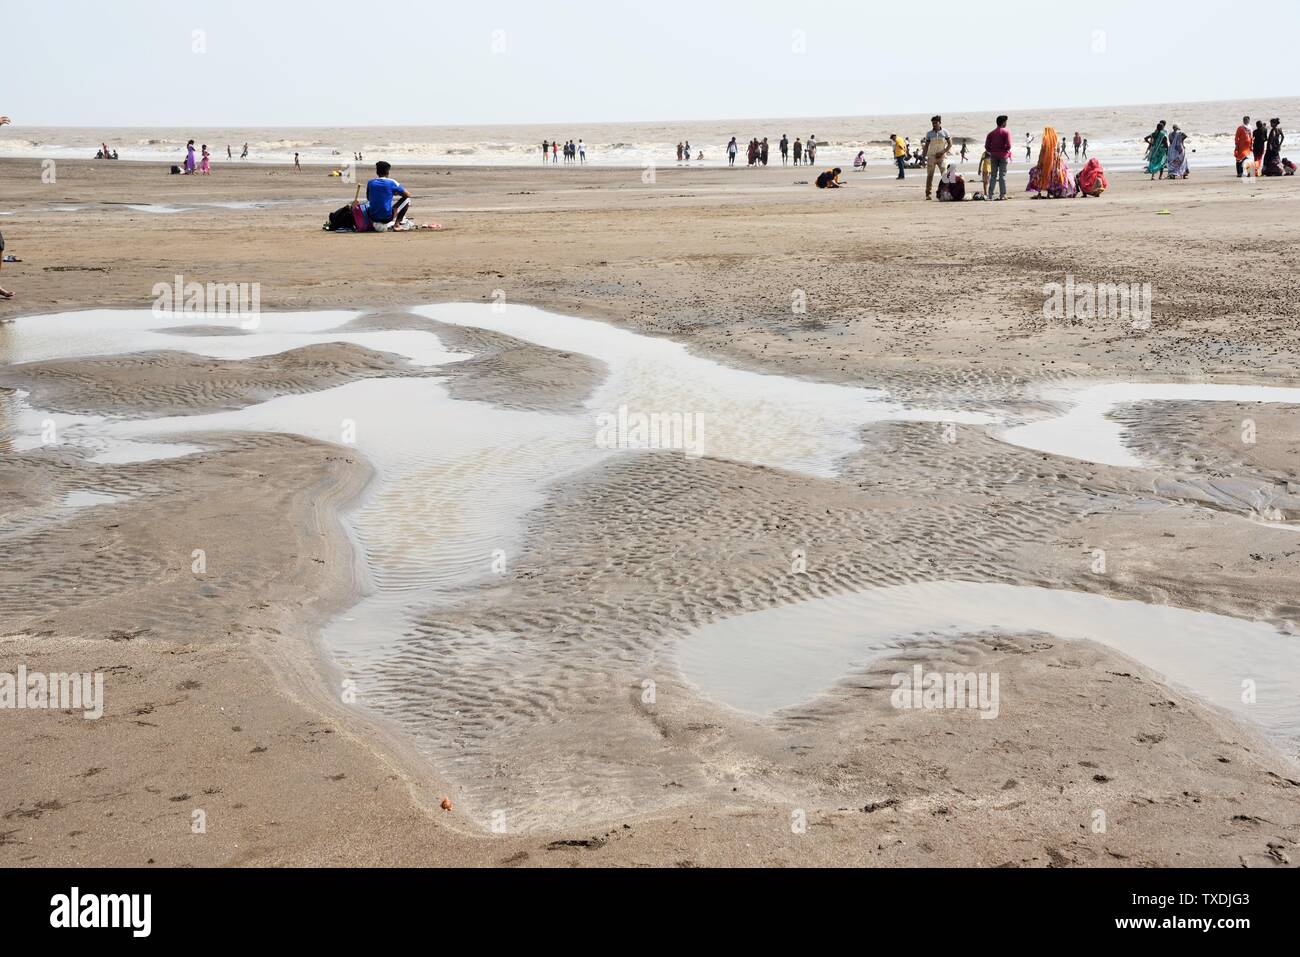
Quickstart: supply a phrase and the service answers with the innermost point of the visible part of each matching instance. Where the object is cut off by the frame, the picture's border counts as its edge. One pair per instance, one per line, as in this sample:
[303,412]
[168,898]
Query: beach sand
[220,698]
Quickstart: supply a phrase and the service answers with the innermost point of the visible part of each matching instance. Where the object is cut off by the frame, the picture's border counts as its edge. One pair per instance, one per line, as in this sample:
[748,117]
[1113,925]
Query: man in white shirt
[937,144]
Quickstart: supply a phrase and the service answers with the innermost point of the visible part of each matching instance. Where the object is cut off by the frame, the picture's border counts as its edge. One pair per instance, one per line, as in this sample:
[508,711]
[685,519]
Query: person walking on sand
[244,155]
[732,149]
[1157,151]
[1029,145]
[763,152]
[998,147]
[963,151]
[555,152]
[900,153]
[205,164]
[546,149]
[937,146]
[810,150]
[582,153]
[1177,162]
[1085,147]
[1078,144]
[4,293]
[798,151]
[785,149]
[230,155]
[1241,146]
[296,165]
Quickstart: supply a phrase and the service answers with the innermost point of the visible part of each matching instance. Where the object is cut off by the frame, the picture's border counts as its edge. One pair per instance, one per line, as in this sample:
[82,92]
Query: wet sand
[222,696]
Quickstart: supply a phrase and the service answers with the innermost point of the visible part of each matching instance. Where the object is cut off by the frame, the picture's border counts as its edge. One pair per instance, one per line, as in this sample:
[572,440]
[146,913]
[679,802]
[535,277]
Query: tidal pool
[785,657]
[1085,430]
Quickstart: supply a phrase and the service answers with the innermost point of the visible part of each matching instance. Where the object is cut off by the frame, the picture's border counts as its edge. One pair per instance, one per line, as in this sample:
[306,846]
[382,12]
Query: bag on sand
[340,219]
[360,218]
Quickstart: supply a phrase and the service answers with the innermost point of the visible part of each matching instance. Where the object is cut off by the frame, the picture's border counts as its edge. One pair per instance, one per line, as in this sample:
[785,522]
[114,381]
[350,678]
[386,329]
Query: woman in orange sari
[1051,177]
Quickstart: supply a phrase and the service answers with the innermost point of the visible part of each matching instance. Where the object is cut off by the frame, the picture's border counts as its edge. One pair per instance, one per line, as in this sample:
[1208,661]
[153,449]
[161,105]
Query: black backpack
[341,219]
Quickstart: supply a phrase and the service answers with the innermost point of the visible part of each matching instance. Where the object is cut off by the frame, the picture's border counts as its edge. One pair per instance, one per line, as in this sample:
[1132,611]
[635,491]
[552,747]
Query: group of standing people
[1167,153]
[193,164]
[1050,177]
[1263,145]
[757,151]
[573,152]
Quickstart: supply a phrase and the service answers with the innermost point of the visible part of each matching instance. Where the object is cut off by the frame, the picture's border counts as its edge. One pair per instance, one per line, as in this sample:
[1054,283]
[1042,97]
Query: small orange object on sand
[446,804]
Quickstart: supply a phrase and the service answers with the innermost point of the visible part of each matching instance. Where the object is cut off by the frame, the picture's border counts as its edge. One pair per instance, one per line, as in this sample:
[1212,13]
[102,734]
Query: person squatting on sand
[380,192]
[830,179]
[952,187]
[937,146]
[1091,180]
[1051,177]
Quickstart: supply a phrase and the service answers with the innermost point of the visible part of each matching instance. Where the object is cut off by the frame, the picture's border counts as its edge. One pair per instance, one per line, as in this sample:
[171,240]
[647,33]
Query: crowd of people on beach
[572,152]
[758,151]
[1050,177]
[1258,151]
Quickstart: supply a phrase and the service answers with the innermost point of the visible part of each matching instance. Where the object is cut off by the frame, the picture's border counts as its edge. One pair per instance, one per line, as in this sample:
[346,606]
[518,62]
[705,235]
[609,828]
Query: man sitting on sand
[380,191]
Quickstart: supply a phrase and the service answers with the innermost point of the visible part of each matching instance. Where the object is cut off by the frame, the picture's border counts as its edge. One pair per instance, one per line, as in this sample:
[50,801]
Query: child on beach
[205,166]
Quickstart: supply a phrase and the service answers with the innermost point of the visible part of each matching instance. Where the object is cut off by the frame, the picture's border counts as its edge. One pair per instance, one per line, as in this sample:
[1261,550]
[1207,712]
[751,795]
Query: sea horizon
[1114,131]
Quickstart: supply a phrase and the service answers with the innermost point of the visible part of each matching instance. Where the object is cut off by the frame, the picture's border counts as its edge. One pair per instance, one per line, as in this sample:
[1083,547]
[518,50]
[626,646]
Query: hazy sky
[423,62]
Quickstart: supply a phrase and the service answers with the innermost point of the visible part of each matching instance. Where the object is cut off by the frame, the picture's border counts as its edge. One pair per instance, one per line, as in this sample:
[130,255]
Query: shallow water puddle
[784,657]
[743,416]
[83,499]
[1086,432]
[454,478]
[111,332]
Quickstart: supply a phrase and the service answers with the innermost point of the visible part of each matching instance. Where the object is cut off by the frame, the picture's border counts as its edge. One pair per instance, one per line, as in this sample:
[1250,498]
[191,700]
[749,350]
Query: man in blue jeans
[998,146]
[380,192]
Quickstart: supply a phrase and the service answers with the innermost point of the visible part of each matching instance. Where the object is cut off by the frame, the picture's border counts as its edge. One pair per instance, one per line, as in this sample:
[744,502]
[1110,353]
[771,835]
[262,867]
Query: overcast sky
[424,62]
